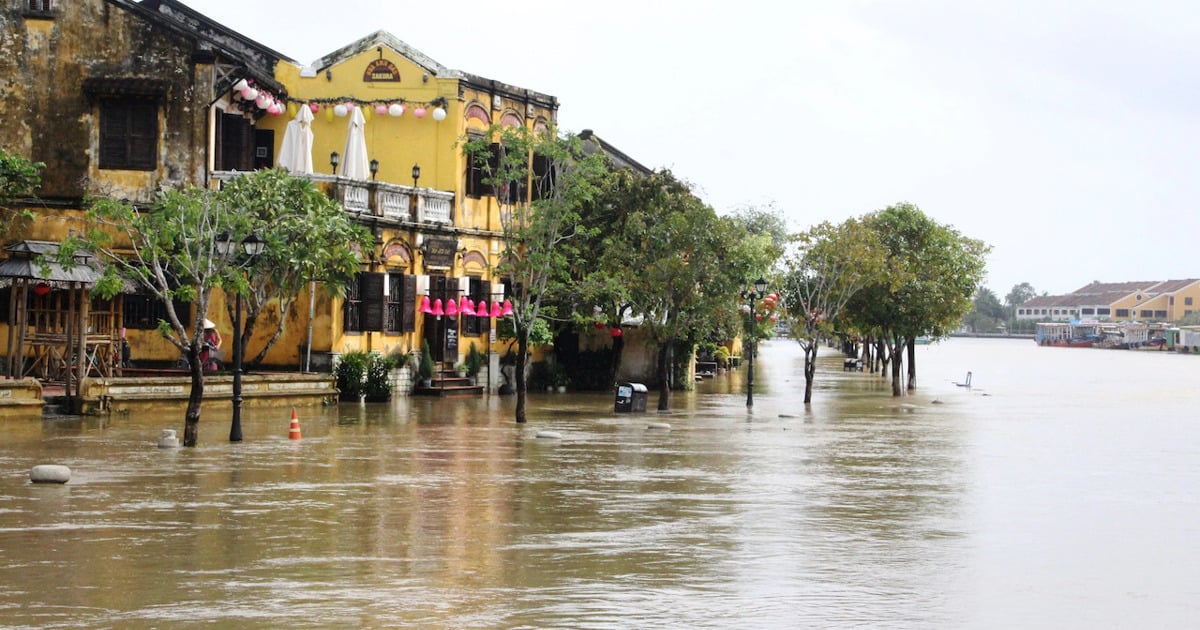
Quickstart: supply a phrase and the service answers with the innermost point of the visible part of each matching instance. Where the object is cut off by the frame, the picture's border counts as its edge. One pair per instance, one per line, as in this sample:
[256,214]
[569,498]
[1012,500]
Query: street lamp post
[752,296]
[251,247]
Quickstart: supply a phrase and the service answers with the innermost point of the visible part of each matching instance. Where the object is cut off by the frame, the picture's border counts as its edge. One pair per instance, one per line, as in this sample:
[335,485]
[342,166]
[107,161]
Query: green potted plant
[378,385]
[349,374]
[425,366]
[474,362]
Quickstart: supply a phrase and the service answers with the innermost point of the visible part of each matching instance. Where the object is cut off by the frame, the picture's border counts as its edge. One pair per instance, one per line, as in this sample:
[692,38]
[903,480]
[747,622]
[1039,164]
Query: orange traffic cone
[294,431]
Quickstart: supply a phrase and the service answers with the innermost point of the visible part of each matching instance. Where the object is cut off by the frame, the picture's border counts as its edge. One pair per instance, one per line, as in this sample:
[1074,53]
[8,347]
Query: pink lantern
[462,304]
[314,108]
[495,309]
[381,109]
[451,308]
[249,94]
[437,307]
[470,307]
[507,309]
[425,307]
[482,310]
[419,112]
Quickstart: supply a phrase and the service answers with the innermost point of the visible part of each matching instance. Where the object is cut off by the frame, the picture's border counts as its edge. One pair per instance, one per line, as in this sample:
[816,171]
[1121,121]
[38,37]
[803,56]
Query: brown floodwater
[1060,490]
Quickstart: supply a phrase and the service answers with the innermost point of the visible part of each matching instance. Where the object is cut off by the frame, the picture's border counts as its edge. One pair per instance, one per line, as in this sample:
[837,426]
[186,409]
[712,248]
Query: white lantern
[396,109]
[439,114]
[249,94]
[340,110]
[263,100]
[240,85]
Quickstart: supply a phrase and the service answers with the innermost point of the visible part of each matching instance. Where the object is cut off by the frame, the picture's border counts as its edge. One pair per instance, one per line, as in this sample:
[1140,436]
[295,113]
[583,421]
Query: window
[1122,312]
[1187,301]
[1160,314]
[1104,310]
[143,311]
[543,176]
[479,291]
[5,296]
[351,308]
[40,6]
[367,308]
[401,303]
[1088,311]
[477,172]
[128,134]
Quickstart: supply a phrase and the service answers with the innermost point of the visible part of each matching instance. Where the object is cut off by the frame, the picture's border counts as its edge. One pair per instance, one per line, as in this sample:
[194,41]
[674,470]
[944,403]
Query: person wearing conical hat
[210,343]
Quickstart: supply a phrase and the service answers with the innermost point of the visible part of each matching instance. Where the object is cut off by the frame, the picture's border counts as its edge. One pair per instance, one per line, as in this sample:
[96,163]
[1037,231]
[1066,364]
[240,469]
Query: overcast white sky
[1062,133]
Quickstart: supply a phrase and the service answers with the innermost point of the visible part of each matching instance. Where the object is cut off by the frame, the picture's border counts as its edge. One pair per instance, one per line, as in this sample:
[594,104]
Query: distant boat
[922,341]
[1077,334]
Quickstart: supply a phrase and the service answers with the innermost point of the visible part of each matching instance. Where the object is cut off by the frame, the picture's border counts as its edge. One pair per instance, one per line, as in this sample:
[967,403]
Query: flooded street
[1058,491]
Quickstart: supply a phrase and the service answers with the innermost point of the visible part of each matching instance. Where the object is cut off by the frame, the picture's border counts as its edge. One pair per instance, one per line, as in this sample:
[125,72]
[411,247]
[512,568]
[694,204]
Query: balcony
[403,204]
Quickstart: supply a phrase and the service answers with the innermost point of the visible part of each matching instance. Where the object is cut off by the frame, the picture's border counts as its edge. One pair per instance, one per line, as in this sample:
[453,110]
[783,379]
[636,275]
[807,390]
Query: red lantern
[599,325]
[41,289]
[616,332]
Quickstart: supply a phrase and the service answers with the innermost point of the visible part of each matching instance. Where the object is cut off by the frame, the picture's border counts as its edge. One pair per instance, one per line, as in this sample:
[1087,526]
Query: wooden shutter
[408,306]
[374,309]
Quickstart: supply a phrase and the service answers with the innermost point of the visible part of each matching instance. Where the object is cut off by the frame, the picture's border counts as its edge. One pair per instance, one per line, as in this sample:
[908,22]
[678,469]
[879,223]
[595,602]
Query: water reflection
[948,508]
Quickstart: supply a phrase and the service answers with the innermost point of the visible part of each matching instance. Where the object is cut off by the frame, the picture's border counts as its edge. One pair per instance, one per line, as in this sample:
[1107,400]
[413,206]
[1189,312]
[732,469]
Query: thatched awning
[34,260]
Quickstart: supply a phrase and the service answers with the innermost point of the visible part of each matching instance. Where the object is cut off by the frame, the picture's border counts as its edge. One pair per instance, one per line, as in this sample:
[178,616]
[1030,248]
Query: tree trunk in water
[810,370]
[519,373]
[897,367]
[615,368]
[912,363]
[881,350]
[664,381]
[191,418]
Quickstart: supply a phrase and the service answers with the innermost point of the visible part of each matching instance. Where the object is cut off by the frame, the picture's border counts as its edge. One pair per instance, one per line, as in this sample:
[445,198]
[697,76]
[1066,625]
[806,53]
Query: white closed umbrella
[354,158]
[295,152]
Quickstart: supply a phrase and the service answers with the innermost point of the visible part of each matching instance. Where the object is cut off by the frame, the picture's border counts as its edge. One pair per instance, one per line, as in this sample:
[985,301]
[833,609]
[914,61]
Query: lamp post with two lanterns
[250,248]
[752,296]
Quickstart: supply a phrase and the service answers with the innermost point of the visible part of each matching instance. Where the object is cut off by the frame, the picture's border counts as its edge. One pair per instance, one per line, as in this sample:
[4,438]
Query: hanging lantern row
[261,99]
[465,307]
[344,106]
[340,106]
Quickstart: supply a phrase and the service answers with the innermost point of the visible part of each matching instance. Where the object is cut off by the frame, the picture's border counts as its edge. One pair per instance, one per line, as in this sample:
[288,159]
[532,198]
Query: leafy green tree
[309,239]
[830,265]
[681,265]
[542,182]
[930,276]
[169,249]
[19,180]
[1020,294]
[986,311]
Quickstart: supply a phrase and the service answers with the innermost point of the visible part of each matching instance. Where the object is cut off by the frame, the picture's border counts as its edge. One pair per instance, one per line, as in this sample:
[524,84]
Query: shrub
[474,361]
[349,374]
[378,387]
[722,356]
[425,367]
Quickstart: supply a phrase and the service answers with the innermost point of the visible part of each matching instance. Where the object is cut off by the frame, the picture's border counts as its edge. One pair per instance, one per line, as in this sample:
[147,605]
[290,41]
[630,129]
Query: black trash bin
[630,397]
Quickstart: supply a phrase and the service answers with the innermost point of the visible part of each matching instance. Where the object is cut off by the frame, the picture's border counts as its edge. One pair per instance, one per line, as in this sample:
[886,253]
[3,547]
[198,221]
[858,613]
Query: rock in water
[50,473]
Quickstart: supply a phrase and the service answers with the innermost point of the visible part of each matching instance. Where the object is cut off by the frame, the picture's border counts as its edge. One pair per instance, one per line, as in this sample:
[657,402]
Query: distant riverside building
[1153,300]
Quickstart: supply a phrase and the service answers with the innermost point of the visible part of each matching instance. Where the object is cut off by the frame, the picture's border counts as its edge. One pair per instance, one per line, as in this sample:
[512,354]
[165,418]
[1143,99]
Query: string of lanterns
[464,306]
[340,106]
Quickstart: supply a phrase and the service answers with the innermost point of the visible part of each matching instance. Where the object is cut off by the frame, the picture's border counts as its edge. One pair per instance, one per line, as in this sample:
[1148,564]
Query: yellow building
[436,228]
[156,96]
